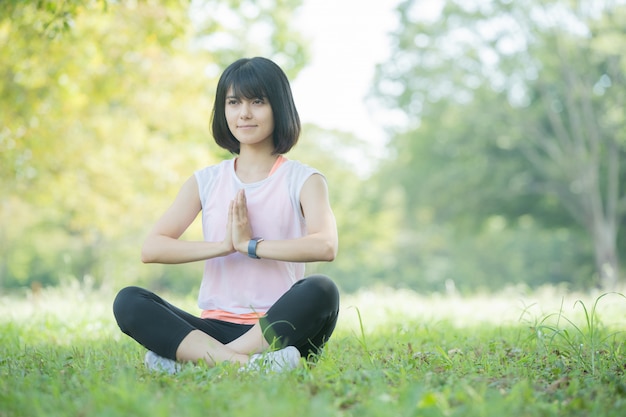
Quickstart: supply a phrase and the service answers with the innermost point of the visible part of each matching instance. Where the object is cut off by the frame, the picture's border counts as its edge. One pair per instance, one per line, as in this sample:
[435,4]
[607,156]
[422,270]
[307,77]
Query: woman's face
[251,121]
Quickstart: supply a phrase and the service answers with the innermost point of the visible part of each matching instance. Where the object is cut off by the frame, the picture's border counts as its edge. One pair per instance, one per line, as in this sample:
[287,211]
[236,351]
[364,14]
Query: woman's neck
[253,167]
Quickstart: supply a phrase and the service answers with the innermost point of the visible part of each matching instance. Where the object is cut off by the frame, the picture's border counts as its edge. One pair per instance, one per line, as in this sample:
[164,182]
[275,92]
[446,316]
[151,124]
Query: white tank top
[237,283]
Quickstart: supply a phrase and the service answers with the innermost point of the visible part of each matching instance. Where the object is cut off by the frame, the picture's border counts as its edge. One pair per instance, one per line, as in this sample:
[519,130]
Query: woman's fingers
[241,232]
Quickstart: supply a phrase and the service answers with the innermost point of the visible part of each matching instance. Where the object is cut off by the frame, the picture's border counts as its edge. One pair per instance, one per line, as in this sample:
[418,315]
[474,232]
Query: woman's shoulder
[301,168]
[215,169]
[297,173]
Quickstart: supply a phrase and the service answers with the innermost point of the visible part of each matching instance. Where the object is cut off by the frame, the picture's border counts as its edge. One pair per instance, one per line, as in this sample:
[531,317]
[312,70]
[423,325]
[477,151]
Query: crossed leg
[198,345]
[303,317]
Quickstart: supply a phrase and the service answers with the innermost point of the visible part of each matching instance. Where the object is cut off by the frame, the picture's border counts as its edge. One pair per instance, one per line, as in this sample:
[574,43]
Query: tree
[577,145]
[539,99]
[101,122]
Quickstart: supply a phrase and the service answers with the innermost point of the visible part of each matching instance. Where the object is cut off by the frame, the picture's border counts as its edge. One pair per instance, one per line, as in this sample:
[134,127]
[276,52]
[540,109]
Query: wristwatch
[252,244]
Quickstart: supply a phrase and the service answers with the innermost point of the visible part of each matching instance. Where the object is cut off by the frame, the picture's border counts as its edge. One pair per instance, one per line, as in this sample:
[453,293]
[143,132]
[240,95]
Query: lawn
[394,353]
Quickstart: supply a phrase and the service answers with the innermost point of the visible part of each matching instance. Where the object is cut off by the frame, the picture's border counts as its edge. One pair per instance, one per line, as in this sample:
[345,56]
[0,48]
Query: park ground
[547,352]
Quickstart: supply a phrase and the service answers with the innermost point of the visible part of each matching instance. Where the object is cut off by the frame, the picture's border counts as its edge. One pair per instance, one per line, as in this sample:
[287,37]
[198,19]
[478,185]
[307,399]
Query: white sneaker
[158,363]
[276,361]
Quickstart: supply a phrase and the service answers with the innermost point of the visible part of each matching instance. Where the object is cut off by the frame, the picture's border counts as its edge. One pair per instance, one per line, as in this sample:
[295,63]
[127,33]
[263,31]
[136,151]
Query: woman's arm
[320,242]
[162,245]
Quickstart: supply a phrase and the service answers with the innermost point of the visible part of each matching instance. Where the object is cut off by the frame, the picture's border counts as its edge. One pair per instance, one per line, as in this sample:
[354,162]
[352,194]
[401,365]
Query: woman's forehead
[246,90]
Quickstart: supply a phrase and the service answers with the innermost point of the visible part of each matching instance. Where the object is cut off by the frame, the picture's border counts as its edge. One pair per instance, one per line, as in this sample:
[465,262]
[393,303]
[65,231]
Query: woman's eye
[231,102]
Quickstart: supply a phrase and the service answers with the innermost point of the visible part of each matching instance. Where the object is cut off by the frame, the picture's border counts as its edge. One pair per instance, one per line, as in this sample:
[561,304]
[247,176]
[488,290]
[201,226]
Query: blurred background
[469,145]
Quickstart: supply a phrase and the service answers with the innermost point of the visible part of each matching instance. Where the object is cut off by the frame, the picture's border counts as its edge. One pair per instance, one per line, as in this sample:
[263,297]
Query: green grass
[393,354]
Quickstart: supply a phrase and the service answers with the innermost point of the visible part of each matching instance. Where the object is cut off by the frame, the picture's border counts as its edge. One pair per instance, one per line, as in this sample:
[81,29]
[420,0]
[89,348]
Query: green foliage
[105,108]
[510,111]
[100,124]
[236,28]
[589,347]
[50,18]
[87,138]
[72,360]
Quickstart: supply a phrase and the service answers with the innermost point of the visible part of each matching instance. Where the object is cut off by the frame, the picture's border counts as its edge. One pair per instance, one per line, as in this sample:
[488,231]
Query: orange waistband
[245,318]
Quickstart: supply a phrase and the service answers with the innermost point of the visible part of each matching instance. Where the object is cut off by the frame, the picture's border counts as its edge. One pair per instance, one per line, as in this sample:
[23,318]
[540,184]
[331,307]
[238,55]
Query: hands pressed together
[239,230]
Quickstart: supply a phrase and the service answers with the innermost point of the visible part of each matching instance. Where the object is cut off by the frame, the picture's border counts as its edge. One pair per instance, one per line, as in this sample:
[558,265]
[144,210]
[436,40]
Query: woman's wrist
[252,247]
[242,247]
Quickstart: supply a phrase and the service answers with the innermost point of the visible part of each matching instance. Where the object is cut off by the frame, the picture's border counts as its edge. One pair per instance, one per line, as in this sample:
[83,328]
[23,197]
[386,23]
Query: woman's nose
[245,111]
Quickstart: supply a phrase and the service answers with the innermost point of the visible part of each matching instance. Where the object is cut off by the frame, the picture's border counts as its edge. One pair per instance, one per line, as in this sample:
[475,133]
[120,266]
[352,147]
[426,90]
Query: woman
[263,216]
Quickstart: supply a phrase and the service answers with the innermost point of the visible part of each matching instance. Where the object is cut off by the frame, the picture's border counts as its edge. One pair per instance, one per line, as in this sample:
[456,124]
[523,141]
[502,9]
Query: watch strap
[252,244]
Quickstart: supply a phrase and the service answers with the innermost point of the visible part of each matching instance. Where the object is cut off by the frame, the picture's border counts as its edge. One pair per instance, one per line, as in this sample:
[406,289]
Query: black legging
[304,317]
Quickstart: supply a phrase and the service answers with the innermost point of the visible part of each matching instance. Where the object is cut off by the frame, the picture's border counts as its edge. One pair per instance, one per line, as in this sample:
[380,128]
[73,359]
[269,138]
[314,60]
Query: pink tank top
[235,287]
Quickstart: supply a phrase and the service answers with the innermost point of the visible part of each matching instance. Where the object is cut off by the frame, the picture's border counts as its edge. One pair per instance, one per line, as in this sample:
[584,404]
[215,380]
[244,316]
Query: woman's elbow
[147,256]
[329,252]
[331,257]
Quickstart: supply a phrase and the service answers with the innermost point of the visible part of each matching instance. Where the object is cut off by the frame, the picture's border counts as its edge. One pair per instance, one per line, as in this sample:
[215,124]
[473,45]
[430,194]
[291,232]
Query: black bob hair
[257,78]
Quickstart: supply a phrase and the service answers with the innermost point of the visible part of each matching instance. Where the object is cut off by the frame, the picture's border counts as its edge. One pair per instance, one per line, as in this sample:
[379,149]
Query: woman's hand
[227,243]
[241,229]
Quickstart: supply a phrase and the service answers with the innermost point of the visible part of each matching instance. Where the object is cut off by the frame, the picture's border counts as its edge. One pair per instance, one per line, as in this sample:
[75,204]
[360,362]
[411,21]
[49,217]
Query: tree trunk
[607,262]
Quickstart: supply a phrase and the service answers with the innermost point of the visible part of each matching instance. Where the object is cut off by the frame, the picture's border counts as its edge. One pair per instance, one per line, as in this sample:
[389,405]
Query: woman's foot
[275,361]
[158,363]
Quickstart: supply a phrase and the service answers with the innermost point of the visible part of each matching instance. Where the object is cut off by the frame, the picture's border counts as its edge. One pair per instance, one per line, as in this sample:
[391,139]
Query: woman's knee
[125,304]
[324,287]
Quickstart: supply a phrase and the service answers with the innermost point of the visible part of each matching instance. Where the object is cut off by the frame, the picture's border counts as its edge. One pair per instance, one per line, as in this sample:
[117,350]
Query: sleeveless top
[236,283]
